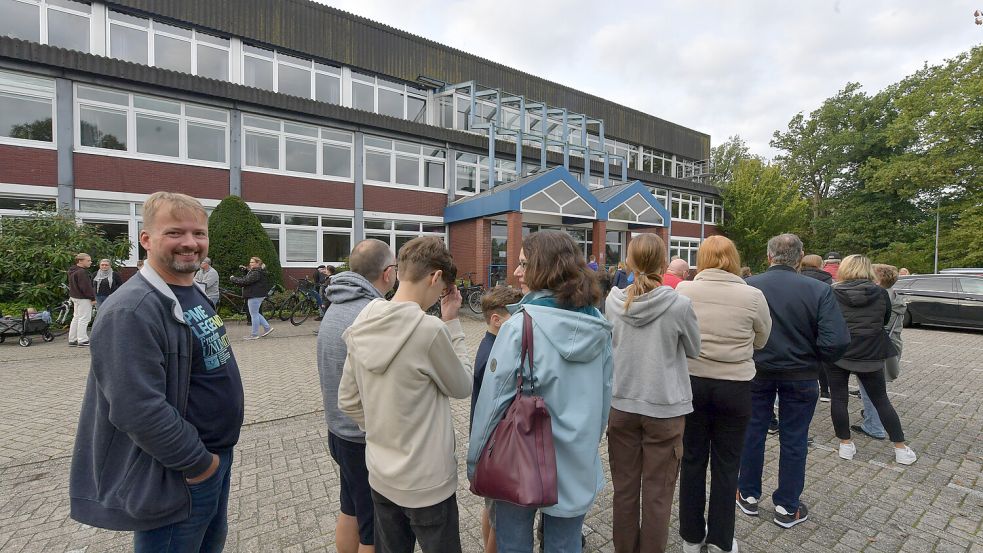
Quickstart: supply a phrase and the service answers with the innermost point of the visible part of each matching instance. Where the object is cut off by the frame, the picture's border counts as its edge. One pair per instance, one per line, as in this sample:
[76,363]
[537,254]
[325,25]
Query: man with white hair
[676,272]
[207,279]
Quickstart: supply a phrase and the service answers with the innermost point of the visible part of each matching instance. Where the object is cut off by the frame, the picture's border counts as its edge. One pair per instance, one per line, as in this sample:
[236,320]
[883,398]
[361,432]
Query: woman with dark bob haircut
[573,364]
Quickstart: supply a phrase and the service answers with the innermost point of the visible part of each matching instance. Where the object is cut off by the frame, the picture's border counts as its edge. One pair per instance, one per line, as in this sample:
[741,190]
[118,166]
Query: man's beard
[189,267]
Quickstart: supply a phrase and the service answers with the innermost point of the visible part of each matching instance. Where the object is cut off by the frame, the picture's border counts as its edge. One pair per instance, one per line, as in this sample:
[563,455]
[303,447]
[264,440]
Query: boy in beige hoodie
[402,367]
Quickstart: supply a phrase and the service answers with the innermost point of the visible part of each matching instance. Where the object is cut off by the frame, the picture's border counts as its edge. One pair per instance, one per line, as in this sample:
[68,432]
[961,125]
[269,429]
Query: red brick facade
[597,248]
[512,246]
[282,189]
[36,166]
[397,200]
[691,230]
[712,230]
[470,244]
[138,176]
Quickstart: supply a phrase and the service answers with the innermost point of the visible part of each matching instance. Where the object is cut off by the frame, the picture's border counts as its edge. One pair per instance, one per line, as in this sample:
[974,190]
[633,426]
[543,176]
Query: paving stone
[285,485]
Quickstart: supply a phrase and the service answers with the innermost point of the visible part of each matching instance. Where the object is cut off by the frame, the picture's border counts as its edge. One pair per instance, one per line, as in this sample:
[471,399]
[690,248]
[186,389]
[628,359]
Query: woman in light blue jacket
[573,361]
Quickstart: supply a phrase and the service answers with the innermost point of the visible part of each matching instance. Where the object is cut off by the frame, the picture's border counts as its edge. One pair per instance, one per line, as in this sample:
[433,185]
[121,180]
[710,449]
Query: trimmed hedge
[235,234]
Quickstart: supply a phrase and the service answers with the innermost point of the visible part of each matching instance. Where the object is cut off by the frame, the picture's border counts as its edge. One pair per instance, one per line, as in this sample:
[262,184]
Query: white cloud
[716,66]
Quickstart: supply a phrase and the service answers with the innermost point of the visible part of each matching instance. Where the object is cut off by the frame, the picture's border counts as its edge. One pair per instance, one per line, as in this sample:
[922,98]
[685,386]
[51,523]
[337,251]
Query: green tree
[37,250]
[725,156]
[760,202]
[235,234]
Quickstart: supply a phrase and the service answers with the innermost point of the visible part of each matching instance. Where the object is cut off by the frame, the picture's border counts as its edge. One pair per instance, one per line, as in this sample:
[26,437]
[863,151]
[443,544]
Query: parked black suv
[954,300]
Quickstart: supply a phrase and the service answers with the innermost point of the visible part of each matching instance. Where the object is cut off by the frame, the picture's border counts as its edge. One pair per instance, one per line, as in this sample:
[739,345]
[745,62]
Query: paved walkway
[285,486]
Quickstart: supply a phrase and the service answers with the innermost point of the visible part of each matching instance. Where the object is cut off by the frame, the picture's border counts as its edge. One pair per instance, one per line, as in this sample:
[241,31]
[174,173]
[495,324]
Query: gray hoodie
[651,343]
[348,293]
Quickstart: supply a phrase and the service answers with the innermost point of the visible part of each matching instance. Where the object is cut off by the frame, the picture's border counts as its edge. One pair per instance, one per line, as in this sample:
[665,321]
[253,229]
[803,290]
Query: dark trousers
[205,530]
[824,379]
[796,405]
[397,528]
[876,388]
[644,453]
[715,435]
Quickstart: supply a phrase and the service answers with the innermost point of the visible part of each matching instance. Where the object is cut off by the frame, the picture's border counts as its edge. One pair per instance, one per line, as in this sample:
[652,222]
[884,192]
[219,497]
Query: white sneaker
[692,547]
[267,333]
[250,337]
[848,450]
[905,456]
[714,549]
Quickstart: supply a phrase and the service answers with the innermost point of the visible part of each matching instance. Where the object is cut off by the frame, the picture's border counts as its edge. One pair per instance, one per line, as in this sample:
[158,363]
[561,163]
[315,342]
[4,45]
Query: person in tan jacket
[402,367]
[734,321]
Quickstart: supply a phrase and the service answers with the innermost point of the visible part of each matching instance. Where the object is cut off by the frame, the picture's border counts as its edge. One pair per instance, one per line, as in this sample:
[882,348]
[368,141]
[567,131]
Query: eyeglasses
[393,266]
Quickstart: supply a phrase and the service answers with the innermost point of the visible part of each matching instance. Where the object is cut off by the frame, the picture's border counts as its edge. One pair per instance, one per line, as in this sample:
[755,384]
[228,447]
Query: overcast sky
[720,67]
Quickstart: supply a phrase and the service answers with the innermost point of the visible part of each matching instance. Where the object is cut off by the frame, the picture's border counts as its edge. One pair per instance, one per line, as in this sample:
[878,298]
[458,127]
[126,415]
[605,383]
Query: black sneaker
[787,520]
[748,505]
[855,393]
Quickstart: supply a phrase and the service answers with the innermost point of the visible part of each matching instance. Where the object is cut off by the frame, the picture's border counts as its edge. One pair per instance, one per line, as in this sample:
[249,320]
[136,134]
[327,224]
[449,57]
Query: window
[296,148]
[713,211]
[61,23]
[378,95]
[971,285]
[662,195]
[150,42]
[257,67]
[129,37]
[157,127]
[933,285]
[612,248]
[397,233]
[327,83]
[685,207]
[26,108]
[212,58]
[404,163]
[471,173]
[308,239]
[685,248]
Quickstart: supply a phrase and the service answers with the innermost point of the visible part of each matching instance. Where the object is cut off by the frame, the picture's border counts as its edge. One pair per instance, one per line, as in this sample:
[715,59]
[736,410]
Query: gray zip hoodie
[651,343]
[349,293]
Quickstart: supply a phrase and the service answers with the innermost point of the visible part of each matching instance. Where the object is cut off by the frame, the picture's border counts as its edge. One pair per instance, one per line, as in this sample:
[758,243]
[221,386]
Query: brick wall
[691,230]
[396,200]
[470,244]
[117,174]
[19,165]
[712,230]
[282,189]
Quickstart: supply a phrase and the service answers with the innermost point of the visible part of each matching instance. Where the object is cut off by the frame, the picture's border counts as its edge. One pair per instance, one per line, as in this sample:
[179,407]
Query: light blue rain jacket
[573,371]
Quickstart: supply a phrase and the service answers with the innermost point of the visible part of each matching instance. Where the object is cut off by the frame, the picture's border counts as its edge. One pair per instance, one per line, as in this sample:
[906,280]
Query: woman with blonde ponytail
[654,331]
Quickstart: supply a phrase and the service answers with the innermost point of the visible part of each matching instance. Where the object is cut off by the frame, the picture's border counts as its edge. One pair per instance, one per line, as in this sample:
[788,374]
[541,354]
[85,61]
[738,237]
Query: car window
[972,285]
[903,284]
[933,284]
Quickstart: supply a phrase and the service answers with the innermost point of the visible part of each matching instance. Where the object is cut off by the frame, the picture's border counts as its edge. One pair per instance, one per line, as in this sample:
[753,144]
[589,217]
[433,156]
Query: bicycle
[62,313]
[238,306]
[302,303]
[470,292]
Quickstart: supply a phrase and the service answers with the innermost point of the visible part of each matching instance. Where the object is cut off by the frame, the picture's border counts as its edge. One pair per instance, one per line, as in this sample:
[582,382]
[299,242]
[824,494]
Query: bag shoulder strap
[526,354]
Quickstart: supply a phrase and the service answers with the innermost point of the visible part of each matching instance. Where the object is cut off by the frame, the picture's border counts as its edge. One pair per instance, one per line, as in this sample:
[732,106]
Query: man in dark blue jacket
[163,403]
[807,329]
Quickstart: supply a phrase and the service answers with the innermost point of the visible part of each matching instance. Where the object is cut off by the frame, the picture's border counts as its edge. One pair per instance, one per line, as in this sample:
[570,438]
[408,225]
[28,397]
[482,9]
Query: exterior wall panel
[396,200]
[282,189]
[691,230]
[117,174]
[19,165]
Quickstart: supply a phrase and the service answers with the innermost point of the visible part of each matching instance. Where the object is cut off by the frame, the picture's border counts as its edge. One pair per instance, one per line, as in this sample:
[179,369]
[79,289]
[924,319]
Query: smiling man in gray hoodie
[372,274]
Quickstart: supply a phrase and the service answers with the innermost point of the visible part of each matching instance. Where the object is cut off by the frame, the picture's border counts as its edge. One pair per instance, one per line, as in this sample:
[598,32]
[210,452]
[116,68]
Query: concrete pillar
[512,245]
[358,218]
[598,246]
[235,153]
[66,144]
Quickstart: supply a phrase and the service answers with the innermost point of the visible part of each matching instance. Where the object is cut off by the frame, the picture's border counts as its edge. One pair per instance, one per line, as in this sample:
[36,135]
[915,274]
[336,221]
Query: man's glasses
[394,266]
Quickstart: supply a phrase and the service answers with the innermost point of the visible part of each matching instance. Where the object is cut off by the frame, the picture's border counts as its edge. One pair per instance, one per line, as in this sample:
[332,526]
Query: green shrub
[37,250]
[235,234]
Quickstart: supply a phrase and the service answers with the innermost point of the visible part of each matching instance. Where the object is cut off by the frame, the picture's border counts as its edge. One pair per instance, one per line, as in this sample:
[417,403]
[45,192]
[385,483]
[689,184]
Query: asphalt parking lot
[285,487]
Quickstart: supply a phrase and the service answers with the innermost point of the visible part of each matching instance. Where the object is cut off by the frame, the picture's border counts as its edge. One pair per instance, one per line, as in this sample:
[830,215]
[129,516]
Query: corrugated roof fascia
[63,62]
[227,16]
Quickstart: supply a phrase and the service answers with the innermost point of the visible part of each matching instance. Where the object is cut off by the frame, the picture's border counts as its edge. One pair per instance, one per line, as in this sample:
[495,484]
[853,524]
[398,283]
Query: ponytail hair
[555,263]
[647,260]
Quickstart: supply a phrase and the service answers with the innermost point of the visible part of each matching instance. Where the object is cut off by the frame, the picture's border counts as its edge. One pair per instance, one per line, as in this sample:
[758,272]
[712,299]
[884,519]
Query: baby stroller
[25,327]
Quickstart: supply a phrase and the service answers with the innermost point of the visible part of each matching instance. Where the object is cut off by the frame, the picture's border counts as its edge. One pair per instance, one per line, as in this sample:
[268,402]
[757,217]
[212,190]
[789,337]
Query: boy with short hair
[402,367]
[494,307]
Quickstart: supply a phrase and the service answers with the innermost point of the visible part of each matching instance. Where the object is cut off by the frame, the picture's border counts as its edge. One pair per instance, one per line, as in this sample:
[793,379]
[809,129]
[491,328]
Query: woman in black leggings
[866,308]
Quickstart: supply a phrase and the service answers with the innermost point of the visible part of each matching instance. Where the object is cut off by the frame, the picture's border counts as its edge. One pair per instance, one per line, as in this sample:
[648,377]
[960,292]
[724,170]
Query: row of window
[70,24]
[296,148]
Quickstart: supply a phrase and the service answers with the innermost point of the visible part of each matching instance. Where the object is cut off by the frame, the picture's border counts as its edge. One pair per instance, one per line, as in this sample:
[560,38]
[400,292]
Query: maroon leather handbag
[518,462]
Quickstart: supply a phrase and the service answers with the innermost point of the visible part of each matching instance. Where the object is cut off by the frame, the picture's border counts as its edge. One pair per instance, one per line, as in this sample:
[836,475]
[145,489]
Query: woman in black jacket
[255,286]
[866,308]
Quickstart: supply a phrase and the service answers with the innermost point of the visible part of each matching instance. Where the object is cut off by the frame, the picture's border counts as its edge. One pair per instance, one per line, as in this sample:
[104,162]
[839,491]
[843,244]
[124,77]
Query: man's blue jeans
[205,530]
[514,525]
[796,406]
[871,423]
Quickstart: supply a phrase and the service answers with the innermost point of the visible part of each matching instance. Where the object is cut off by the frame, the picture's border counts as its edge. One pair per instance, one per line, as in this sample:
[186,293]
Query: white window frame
[44,6]
[692,203]
[152,31]
[716,211]
[283,134]
[390,85]
[393,153]
[392,220]
[680,244]
[282,227]
[35,92]
[131,139]
[502,173]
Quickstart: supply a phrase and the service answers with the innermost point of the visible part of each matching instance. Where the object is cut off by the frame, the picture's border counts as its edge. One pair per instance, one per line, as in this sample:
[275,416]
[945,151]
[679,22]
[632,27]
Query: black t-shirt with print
[215,399]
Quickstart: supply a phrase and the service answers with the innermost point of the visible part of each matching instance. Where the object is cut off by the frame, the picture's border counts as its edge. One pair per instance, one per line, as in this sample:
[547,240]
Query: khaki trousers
[644,453]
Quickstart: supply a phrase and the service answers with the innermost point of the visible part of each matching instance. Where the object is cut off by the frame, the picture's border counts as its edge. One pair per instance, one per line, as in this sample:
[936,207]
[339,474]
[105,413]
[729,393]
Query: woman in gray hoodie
[655,330]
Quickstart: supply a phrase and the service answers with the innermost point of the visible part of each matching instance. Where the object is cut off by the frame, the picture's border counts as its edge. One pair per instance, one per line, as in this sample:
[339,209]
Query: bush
[234,235]
[36,252]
